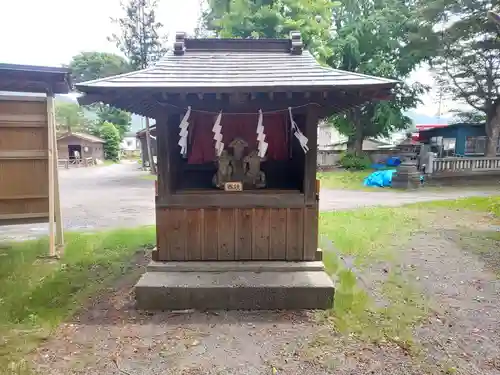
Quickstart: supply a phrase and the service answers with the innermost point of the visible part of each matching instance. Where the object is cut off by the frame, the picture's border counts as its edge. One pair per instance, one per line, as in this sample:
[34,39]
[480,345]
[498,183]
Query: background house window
[475,145]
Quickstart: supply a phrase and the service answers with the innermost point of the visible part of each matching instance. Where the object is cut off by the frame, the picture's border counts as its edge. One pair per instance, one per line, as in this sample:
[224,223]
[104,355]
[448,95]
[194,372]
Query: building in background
[130,145]
[73,145]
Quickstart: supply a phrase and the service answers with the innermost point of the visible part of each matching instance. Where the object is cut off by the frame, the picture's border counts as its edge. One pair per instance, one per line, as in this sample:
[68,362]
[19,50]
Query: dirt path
[464,333]
[349,199]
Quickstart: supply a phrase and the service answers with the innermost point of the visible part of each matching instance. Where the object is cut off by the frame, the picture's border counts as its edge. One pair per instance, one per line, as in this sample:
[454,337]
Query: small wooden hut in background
[237,197]
[29,188]
[72,144]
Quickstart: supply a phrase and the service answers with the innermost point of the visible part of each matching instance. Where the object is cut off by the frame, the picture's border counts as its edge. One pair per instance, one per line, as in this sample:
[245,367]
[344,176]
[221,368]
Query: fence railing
[462,165]
[82,162]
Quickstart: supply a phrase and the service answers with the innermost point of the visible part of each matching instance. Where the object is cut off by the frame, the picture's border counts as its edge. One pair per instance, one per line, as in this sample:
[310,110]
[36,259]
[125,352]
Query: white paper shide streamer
[261,136]
[298,134]
[183,132]
[217,130]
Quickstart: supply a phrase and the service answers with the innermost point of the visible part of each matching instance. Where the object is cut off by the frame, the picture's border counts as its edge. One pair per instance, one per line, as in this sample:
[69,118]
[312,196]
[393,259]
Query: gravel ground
[119,196]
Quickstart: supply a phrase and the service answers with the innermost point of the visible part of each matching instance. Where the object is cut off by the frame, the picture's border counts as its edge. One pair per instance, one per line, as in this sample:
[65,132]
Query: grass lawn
[349,180]
[37,294]
[367,236]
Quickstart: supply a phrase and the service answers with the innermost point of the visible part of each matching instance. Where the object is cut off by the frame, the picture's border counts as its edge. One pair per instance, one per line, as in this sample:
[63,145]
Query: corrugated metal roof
[203,69]
[84,136]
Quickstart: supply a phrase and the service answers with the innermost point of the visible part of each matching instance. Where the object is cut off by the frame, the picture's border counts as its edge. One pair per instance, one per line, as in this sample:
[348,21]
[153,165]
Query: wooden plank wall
[24,196]
[236,234]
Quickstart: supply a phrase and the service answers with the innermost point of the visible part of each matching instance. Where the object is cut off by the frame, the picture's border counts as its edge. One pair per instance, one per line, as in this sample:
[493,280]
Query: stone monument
[407,176]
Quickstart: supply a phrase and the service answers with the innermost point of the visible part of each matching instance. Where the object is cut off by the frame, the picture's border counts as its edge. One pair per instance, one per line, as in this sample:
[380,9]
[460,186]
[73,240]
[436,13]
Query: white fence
[462,165]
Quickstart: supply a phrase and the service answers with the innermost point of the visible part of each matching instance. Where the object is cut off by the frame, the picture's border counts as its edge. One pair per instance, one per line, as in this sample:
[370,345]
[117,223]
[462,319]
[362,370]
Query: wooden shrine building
[237,196]
[29,188]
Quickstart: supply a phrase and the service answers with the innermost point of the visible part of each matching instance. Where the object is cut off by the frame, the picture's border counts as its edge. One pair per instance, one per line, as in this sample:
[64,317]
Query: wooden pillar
[311,132]
[50,148]
[57,195]
[310,188]
[163,159]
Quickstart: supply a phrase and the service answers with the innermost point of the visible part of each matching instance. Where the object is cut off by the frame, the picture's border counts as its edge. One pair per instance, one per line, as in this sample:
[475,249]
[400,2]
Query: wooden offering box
[237,197]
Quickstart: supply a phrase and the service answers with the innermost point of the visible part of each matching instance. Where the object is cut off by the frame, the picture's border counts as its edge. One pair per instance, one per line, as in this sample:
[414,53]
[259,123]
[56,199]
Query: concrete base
[251,285]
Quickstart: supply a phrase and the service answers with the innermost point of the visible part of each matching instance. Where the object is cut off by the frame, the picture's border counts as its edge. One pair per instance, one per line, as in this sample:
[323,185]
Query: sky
[50,32]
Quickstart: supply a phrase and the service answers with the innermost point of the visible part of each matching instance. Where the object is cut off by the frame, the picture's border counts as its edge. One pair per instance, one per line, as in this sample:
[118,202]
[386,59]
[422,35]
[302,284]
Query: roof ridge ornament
[296,41]
[179,47]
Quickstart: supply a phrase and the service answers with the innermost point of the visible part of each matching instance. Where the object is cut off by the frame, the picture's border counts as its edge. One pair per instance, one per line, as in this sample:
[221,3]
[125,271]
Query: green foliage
[467,63]
[70,117]
[274,19]
[140,36]
[110,134]
[356,162]
[121,119]
[379,38]
[472,117]
[88,66]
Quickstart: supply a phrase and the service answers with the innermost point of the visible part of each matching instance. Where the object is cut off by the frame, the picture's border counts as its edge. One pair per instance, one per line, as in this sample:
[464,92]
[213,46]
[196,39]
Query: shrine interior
[283,165]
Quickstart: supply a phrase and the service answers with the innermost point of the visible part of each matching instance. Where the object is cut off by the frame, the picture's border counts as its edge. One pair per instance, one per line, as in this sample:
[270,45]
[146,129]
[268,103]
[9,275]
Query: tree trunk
[152,165]
[358,135]
[493,130]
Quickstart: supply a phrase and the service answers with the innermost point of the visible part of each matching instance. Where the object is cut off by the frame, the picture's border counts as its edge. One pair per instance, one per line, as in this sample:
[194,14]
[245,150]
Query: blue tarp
[393,161]
[380,178]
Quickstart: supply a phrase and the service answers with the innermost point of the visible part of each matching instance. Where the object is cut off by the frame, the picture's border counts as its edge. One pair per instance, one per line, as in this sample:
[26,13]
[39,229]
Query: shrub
[110,134]
[355,162]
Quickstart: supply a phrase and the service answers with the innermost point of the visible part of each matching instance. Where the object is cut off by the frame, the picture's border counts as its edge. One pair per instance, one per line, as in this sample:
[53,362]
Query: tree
[70,117]
[468,58]
[273,19]
[109,133]
[472,117]
[140,40]
[121,119]
[371,37]
[87,66]
[380,38]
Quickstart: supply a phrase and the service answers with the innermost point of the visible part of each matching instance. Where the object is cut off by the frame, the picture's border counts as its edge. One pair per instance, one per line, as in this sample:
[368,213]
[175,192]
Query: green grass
[149,177]
[108,162]
[347,180]
[343,179]
[368,235]
[489,205]
[374,236]
[37,294]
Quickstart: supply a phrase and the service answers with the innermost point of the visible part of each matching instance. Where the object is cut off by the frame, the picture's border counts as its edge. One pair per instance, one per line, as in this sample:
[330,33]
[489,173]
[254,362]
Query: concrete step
[234,266]
[235,290]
